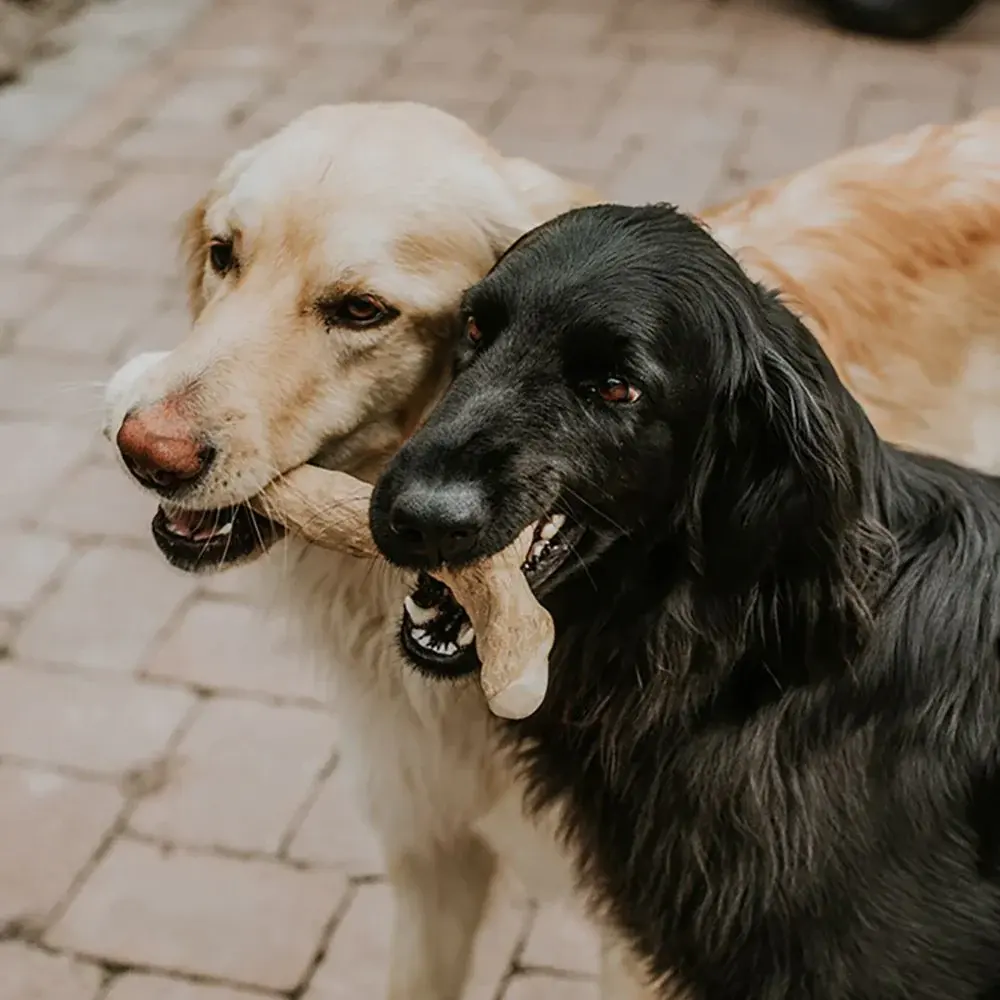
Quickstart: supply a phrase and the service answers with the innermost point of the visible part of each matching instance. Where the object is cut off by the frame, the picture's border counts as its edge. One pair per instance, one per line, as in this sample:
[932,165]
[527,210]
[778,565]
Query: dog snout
[435,523]
[161,450]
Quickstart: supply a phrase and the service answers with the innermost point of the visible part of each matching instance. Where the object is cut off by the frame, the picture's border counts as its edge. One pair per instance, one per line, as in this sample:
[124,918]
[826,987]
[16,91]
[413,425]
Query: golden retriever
[324,267]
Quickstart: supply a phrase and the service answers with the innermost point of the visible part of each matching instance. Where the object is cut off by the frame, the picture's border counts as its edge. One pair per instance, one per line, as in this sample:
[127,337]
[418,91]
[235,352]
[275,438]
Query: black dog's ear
[777,476]
[778,511]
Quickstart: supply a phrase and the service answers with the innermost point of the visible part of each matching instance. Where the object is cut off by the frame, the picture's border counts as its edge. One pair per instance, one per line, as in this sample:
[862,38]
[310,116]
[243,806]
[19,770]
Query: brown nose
[160,449]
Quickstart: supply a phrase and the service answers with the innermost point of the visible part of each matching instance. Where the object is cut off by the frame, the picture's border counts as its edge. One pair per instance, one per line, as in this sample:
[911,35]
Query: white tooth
[558,520]
[467,636]
[419,615]
[447,649]
[426,641]
[418,634]
[550,529]
[225,529]
[537,549]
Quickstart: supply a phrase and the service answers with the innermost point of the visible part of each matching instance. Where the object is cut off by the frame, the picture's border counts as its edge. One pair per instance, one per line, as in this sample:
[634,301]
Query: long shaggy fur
[774,714]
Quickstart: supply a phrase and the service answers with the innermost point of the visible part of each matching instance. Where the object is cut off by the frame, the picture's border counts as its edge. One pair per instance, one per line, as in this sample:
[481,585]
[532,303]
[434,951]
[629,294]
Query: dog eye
[356,311]
[472,331]
[616,390]
[220,256]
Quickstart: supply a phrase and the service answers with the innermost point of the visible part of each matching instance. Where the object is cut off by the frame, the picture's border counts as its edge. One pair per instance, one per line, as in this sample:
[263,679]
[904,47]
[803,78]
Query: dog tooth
[537,549]
[558,520]
[419,615]
[225,529]
[418,633]
[466,636]
[551,528]
[447,648]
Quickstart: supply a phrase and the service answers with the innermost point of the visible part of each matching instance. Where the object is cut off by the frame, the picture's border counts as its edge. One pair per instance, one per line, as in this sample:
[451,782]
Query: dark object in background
[26,28]
[904,19]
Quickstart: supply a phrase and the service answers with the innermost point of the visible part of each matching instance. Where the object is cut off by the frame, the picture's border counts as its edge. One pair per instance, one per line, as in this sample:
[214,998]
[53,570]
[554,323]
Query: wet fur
[773,724]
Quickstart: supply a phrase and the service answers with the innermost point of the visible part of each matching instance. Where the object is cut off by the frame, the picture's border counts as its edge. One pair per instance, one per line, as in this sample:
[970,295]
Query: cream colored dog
[324,269]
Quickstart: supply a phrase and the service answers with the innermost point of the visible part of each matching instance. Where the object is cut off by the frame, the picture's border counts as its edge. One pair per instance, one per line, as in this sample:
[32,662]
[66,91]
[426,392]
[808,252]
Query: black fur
[774,711]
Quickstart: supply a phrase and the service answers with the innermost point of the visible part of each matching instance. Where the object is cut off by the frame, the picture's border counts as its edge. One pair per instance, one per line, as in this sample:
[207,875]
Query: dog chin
[435,634]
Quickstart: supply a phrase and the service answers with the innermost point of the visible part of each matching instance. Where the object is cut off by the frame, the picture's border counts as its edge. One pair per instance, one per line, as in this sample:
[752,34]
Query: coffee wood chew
[514,633]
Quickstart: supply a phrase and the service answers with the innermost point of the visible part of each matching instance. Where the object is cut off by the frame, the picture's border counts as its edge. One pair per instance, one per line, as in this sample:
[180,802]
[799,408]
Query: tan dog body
[891,253]
[406,203]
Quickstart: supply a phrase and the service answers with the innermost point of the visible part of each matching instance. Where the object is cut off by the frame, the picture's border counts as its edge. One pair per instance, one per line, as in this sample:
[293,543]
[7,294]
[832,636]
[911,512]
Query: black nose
[438,523]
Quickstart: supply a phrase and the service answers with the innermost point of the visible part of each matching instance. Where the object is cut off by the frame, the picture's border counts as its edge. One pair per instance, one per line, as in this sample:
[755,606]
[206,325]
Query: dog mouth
[209,540]
[435,632]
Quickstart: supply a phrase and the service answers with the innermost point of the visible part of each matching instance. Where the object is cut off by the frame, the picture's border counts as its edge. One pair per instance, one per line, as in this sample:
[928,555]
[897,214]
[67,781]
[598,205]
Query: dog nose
[439,523]
[160,449]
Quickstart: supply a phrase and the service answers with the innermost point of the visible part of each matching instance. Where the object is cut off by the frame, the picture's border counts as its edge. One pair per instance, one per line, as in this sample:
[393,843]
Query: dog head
[324,271]
[626,386]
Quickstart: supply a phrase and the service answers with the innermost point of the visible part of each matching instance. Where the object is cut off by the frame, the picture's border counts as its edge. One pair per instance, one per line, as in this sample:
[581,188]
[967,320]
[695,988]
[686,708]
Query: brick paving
[175,826]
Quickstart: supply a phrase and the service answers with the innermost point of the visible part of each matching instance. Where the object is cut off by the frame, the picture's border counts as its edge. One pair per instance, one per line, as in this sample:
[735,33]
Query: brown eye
[472,331]
[220,256]
[615,390]
[362,308]
[356,311]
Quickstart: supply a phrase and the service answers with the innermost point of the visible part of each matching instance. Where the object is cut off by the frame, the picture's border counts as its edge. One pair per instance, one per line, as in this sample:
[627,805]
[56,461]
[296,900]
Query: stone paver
[91,317]
[99,503]
[239,921]
[139,987]
[242,772]
[176,826]
[96,723]
[542,987]
[222,646]
[29,562]
[356,964]
[29,974]
[36,458]
[559,939]
[50,389]
[52,827]
[106,611]
[334,832]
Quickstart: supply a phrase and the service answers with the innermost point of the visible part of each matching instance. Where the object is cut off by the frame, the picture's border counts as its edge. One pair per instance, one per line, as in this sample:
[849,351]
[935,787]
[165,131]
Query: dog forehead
[363,209]
[360,155]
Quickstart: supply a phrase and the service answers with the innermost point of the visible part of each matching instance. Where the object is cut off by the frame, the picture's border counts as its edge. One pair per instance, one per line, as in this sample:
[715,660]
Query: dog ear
[778,475]
[779,516]
[194,253]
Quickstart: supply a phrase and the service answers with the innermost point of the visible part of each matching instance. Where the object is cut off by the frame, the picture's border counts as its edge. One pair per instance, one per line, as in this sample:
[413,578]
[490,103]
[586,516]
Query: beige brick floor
[173,824]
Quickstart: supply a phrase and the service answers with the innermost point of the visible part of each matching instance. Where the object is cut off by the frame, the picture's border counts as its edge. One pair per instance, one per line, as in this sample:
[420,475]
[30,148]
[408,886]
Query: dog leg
[441,896]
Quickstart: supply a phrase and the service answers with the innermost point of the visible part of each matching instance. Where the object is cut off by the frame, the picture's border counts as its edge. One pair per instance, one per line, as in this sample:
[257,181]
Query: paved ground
[173,821]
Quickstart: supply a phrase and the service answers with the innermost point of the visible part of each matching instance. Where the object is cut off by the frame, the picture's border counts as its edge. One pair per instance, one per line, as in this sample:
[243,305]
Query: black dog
[774,715]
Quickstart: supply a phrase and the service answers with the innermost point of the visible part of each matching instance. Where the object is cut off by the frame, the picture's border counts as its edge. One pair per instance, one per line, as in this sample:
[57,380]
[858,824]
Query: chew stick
[514,633]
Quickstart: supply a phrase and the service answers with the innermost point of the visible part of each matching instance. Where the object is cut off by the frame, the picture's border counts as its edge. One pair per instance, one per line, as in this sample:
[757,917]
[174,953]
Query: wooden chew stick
[514,633]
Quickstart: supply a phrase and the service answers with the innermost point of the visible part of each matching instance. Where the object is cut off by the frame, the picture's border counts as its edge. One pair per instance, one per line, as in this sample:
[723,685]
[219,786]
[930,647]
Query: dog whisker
[596,510]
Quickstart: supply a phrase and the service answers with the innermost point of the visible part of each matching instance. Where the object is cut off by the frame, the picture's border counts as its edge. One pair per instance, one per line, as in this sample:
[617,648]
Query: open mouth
[205,540]
[436,633]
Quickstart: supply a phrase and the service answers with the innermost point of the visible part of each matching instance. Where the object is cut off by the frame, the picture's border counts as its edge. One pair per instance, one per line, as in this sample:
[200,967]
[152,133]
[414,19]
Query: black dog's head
[625,385]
